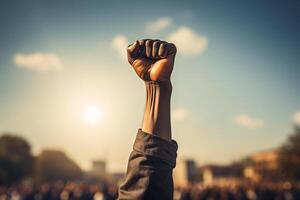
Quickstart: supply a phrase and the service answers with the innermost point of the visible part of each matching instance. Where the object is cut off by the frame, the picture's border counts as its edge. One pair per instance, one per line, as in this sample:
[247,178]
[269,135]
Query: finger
[168,49]
[162,50]
[143,47]
[148,45]
[143,41]
[172,50]
[155,48]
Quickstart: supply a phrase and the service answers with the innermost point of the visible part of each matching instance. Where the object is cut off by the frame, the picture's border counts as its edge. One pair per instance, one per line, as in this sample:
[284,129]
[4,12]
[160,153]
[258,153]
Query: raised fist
[152,60]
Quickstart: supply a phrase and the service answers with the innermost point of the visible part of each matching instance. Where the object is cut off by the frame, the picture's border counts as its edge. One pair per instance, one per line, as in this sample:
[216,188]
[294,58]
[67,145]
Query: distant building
[263,165]
[99,167]
[185,172]
[256,167]
[265,160]
[221,174]
[97,172]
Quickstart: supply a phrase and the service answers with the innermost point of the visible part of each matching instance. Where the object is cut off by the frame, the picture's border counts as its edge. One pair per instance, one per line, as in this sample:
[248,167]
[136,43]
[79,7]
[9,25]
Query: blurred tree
[54,165]
[16,160]
[289,156]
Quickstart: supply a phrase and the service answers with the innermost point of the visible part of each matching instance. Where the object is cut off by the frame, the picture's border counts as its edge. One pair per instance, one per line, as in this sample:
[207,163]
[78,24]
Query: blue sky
[236,79]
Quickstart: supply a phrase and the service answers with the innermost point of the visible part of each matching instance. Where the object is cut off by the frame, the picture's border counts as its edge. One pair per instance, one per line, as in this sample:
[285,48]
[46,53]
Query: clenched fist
[152,60]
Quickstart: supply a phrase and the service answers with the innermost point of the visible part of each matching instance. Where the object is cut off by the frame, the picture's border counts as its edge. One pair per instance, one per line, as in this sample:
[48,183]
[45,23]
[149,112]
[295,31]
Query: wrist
[161,87]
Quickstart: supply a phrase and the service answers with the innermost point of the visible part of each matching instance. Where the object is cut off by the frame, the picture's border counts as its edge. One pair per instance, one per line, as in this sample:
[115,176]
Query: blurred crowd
[59,191]
[263,191]
[89,191]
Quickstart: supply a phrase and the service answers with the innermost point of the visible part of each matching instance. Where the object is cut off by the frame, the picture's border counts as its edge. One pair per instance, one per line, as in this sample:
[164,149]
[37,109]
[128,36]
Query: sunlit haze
[65,83]
[92,114]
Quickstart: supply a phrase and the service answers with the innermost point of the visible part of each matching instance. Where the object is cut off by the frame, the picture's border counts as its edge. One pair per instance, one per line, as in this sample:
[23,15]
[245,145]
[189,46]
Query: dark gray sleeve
[149,171]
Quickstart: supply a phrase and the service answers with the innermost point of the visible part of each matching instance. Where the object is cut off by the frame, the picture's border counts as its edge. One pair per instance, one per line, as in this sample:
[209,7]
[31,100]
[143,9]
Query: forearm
[157,118]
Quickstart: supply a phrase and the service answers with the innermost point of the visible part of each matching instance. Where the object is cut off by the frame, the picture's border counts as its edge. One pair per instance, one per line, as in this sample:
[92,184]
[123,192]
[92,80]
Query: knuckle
[173,47]
[162,48]
[147,42]
[156,45]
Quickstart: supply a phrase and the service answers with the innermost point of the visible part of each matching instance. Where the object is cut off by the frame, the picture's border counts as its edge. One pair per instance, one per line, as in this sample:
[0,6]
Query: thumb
[133,47]
[132,51]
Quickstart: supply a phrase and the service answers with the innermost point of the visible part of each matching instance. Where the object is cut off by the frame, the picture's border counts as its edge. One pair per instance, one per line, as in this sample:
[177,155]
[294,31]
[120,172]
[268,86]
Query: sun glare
[92,115]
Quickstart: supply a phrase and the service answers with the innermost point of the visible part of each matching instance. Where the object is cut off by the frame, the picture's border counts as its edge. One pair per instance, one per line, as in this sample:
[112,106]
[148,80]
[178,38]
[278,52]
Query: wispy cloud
[159,25]
[38,61]
[297,118]
[248,121]
[180,114]
[187,41]
[120,43]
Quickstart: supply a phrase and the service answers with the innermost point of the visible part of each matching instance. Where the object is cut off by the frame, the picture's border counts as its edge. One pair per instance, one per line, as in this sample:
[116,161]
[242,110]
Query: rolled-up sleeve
[149,171]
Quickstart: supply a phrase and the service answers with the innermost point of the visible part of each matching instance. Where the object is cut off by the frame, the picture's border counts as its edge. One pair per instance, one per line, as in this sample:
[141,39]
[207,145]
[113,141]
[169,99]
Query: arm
[157,118]
[150,165]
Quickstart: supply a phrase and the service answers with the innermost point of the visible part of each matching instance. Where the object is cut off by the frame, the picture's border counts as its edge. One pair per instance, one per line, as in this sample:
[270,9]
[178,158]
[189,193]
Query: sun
[92,115]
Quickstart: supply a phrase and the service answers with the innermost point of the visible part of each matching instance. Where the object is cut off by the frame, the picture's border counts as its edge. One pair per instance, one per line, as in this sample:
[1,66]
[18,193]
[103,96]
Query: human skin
[153,62]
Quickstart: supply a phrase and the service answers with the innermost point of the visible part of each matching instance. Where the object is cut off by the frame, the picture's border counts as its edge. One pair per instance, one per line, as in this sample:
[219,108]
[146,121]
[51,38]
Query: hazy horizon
[65,83]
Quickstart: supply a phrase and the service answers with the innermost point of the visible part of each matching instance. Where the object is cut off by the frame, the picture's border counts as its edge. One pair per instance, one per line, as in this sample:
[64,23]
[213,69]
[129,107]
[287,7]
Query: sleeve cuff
[152,145]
